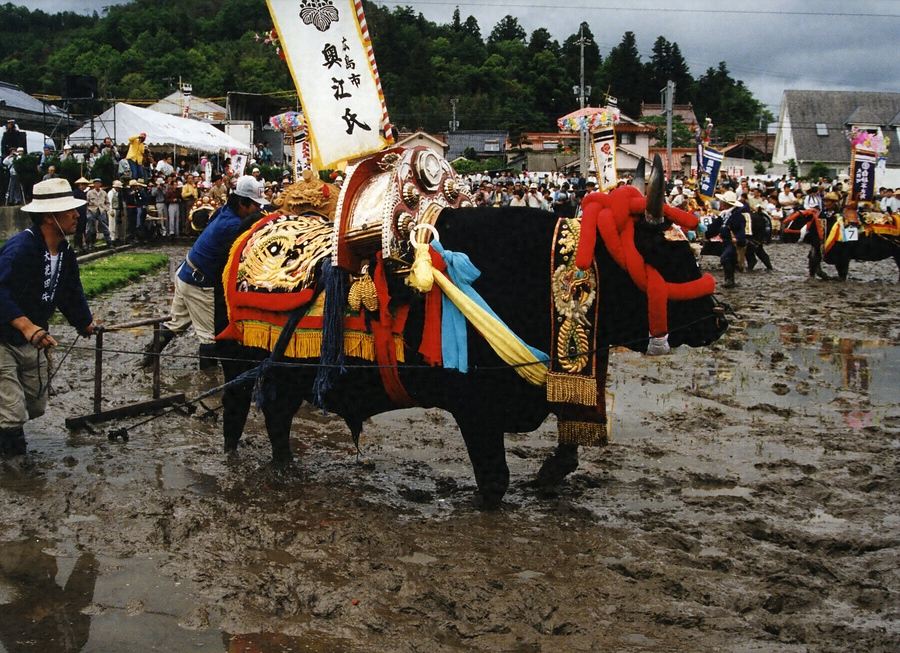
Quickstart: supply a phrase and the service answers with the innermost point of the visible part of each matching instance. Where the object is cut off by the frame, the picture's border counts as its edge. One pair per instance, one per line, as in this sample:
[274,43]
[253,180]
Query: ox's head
[668,298]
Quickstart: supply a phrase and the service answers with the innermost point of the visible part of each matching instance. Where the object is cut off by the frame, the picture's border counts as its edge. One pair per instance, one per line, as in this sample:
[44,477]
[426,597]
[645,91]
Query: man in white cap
[38,274]
[194,300]
[731,224]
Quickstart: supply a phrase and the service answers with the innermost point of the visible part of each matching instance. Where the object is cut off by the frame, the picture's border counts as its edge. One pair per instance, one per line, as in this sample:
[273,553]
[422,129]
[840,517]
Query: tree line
[508,80]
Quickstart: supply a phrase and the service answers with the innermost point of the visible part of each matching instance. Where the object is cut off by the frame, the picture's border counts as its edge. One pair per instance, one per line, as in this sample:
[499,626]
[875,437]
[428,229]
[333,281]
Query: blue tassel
[331,360]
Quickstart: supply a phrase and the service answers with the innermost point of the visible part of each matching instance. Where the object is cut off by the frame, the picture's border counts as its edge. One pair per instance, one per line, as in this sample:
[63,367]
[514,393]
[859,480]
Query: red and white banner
[327,48]
[604,141]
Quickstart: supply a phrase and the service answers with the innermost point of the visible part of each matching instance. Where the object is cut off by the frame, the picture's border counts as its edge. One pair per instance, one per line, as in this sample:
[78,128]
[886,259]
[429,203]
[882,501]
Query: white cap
[249,186]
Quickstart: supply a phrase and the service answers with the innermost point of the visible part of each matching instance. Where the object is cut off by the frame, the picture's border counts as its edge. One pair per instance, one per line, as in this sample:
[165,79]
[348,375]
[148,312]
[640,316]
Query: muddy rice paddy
[747,502]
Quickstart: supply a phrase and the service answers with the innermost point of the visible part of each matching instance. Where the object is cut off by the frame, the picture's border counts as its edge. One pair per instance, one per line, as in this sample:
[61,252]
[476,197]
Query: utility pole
[582,92]
[668,102]
[454,125]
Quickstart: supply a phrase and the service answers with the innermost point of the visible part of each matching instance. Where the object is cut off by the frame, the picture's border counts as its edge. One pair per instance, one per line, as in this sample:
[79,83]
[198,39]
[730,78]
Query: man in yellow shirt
[135,156]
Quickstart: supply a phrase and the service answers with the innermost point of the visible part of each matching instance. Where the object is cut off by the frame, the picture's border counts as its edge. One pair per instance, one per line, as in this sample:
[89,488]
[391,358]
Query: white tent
[199,108]
[124,120]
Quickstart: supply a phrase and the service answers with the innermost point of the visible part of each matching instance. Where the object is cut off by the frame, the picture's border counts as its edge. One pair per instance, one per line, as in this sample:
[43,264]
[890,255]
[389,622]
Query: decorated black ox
[551,299]
[838,239]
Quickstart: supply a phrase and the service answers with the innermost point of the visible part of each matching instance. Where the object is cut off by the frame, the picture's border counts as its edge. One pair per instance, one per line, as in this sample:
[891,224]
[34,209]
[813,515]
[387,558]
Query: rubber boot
[12,442]
[151,353]
[208,356]
[729,274]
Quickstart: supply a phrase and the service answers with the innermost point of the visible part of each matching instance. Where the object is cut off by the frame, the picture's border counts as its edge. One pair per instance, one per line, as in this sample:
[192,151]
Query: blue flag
[709,172]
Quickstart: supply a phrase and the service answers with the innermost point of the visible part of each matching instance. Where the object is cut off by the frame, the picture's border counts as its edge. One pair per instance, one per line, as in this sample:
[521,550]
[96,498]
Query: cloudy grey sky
[770,45]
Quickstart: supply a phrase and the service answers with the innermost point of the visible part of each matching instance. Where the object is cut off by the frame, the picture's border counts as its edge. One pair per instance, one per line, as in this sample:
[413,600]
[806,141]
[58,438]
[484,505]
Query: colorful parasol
[290,122]
[589,118]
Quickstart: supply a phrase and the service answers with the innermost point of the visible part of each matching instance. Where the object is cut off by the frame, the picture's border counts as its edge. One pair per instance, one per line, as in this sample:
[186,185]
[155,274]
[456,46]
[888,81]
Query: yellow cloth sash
[498,335]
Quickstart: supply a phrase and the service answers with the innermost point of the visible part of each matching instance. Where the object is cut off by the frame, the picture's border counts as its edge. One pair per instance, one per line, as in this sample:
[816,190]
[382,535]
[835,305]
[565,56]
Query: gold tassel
[569,389]
[308,343]
[588,434]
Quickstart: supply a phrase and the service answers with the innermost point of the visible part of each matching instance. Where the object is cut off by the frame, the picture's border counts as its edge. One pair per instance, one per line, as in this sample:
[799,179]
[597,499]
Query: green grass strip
[118,270]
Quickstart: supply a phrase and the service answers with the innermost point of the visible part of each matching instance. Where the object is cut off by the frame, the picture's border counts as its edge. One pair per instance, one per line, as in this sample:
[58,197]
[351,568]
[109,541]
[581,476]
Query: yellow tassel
[308,343]
[588,434]
[569,389]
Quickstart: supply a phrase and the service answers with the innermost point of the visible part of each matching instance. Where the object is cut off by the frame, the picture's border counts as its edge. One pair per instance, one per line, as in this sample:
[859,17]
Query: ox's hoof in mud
[557,466]
[489,500]
[282,460]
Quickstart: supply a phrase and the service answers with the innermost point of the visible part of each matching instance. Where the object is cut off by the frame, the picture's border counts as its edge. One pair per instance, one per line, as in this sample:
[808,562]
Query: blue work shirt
[28,288]
[200,268]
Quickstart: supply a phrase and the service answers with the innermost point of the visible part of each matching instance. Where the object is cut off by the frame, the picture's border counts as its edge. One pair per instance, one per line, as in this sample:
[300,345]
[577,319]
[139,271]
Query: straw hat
[51,196]
[729,197]
[117,184]
[82,180]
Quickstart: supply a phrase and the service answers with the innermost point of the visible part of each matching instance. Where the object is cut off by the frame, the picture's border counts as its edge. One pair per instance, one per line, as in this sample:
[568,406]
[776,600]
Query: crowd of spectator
[150,195]
[777,196]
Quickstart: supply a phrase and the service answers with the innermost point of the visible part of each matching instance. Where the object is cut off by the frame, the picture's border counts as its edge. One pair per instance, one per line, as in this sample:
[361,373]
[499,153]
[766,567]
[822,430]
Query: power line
[718,9]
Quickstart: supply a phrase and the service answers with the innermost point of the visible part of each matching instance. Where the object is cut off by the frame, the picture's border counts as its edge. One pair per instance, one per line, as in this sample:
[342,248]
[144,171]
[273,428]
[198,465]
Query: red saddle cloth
[272,271]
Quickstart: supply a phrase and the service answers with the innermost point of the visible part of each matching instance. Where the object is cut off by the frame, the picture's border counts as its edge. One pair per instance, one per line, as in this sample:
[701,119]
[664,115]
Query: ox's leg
[843,268]
[763,256]
[235,398]
[815,263]
[279,414]
[562,462]
[484,443]
[750,256]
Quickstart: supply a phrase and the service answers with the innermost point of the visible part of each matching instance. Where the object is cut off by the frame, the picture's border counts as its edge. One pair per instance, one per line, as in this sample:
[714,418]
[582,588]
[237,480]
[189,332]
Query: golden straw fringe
[570,389]
[589,434]
[308,343]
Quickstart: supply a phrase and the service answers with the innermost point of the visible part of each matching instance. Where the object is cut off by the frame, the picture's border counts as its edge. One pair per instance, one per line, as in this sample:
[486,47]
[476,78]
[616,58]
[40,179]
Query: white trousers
[193,305]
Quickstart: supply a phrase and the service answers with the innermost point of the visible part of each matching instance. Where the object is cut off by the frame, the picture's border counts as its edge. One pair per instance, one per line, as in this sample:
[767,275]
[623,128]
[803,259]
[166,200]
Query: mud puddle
[747,502]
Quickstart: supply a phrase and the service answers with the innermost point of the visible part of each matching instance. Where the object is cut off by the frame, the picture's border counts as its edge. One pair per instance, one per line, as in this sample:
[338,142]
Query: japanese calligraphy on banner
[238,163]
[327,48]
[605,158]
[301,153]
[709,172]
[863,166]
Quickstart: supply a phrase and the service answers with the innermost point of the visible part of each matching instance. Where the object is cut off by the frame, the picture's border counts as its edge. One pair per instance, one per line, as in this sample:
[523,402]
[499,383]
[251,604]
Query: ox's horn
[639,180]
[656,192]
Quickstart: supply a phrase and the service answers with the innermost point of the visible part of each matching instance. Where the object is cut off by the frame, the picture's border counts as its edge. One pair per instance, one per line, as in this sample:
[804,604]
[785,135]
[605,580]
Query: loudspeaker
[81,87]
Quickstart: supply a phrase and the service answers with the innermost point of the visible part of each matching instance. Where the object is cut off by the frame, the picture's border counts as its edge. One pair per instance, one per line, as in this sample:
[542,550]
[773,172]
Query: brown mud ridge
[747,502]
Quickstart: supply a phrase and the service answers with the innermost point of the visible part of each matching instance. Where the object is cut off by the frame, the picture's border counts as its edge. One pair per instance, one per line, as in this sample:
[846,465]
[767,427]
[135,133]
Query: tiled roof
[838,111]
[14,99]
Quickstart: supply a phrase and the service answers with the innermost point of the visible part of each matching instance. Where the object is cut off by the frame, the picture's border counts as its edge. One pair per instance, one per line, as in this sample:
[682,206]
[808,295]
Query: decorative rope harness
[613,215]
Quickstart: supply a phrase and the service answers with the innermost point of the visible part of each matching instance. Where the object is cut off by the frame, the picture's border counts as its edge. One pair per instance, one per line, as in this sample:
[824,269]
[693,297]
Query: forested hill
[503,78]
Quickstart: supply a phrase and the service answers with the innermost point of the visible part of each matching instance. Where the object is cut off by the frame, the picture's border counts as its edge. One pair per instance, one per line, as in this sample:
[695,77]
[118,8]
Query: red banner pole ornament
[327,48]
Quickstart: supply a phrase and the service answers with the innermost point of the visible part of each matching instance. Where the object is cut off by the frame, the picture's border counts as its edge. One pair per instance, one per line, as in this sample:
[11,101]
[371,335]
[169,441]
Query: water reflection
[39,612]
[811,368]
[854,367]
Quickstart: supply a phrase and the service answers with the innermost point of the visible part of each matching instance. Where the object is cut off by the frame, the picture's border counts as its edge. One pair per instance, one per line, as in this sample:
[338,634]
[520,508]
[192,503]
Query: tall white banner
[327,48]
[604,141]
